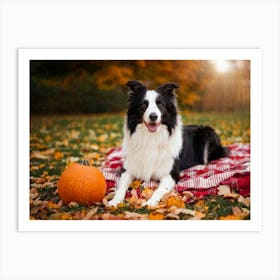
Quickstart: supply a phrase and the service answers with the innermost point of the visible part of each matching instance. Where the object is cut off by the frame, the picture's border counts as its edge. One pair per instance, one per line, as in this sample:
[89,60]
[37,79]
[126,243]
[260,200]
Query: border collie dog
[156,145]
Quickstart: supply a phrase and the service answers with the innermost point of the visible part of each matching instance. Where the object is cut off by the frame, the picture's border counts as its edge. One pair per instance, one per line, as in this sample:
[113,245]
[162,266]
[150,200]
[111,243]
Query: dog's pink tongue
[153,127]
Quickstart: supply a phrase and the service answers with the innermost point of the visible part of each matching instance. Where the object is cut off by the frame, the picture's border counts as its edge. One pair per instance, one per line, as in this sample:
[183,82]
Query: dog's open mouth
[153,127]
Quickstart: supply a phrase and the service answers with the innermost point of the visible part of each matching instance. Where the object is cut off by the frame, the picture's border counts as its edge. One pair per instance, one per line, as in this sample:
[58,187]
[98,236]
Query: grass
[55,141]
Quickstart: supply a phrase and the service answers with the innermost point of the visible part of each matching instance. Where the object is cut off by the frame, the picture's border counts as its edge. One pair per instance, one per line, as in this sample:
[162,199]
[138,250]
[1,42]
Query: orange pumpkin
[81,183]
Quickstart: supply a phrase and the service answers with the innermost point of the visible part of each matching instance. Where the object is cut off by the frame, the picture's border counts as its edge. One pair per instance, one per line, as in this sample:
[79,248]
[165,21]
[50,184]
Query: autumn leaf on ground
[177,211]
[135,184]
[245,201]
[226,192]
[90,213]
[56,142]
[229,217]
[147,193]
[198,216]
[58,155]
[175,201]
[156,216]
[201,206]
[135,216]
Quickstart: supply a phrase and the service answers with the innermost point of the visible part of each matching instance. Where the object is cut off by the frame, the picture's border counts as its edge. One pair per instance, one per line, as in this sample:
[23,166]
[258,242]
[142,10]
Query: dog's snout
[153,117]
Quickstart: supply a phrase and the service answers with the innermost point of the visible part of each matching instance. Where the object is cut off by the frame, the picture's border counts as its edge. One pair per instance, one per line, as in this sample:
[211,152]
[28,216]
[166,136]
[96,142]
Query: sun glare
[222,66]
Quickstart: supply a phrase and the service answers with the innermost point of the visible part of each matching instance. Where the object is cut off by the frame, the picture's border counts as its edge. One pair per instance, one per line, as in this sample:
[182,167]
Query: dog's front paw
[114,202]
[150,203]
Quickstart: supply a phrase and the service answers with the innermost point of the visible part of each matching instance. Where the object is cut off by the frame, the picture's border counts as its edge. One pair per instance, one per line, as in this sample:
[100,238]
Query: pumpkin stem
[84,162]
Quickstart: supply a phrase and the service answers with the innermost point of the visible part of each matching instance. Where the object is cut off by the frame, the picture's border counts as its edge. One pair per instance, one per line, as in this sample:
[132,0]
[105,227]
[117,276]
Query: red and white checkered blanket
[200,180]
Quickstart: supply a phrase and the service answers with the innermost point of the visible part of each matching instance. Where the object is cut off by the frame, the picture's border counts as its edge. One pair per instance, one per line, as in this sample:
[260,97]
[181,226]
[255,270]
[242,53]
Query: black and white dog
[156,145]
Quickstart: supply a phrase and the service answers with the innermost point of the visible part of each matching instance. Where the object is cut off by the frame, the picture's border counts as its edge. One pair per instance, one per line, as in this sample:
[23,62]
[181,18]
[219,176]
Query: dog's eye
[158,102]
[144,105]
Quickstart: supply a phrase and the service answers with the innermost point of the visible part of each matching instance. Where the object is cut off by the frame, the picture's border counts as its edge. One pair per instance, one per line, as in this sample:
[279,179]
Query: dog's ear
[167,88]
[135,86]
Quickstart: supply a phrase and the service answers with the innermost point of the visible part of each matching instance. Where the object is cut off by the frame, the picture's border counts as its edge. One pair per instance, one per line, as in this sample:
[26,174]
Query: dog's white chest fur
[150,155]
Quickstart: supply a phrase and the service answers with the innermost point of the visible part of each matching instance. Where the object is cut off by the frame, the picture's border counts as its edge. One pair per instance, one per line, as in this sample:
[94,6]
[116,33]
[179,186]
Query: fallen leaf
[229,217]
[135,184]
[172,216]
[175,201]
[106,198]
[39,155]
[90,213]
[102,138]
[177,211]
[52,205]
[58,155]
[133,200]
[224,190]
[245,201]
[48,138]
[135,216]
[236,211]
[156,216]
[73,204]
[147,193]
[60,216]
[198,215]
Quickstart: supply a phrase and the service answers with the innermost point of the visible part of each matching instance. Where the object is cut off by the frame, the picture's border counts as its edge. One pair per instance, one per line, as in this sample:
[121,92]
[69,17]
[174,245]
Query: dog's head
[153,108]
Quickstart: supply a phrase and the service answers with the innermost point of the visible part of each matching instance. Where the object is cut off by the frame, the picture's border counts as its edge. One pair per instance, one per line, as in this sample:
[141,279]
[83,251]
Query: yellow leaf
[230,217]
[175,201]
[121,204]
[48,138]
[156,216]
[135,184]
[102,137]
[147,193]
[200,205]
[58,155]
[52,205]
[134,200]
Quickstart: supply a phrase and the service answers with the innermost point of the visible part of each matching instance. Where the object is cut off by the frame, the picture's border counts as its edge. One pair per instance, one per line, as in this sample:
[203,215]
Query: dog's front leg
[166,185]
[122,187]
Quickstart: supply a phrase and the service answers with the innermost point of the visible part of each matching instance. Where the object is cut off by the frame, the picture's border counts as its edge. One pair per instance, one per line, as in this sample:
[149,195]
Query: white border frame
[24,57]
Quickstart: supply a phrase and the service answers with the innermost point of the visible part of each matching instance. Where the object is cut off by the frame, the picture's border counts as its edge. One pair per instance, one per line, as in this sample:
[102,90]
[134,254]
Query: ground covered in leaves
[56,141]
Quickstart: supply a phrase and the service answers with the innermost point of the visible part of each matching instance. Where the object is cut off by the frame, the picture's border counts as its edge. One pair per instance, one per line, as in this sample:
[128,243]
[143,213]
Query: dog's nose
[153,117]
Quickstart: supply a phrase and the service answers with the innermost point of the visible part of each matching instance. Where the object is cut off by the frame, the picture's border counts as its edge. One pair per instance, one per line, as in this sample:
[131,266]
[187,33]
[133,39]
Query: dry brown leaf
[147,192]
[107,198]
[198,216]
[224,190]
[172,216]
[60,216]
[135,216]
[236,211]
[39,155]
[187,196]
[177,211]
[133,200]
[245,201]
[90,213]
[73,204]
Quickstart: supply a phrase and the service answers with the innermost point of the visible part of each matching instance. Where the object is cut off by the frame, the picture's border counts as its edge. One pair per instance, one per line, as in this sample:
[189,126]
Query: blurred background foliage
[98,86]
